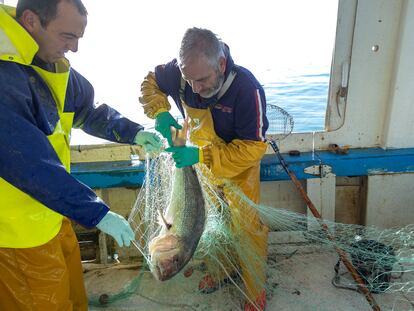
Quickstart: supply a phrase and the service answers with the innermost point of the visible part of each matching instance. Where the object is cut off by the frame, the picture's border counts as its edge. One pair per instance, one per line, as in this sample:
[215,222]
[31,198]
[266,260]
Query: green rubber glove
[116,226]
[163,122]
[151,142]
[184,155]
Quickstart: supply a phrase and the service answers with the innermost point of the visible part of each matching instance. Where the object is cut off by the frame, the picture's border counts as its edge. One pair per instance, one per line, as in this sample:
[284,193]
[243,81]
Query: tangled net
[219,244]
[227,250]
[384,258]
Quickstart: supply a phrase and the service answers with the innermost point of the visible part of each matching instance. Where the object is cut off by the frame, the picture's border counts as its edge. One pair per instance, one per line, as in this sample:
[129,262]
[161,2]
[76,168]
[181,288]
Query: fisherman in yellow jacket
[226,111]
[41,98]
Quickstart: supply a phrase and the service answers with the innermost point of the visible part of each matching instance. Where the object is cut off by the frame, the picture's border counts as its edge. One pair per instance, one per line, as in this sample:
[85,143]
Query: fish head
[168,256]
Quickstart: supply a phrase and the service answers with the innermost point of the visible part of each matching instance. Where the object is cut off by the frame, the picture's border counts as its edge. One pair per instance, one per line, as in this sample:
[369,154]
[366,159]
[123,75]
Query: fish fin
[164,221]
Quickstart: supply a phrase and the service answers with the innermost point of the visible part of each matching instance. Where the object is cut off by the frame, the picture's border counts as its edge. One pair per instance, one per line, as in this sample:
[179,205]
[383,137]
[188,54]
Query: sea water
[301,92]
[303,96]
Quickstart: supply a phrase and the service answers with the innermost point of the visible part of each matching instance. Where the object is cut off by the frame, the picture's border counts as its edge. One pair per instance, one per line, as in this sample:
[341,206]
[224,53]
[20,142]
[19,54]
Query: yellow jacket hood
[16,44]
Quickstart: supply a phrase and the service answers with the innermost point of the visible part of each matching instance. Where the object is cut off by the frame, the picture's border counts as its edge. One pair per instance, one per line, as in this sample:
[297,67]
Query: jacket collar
[229,61]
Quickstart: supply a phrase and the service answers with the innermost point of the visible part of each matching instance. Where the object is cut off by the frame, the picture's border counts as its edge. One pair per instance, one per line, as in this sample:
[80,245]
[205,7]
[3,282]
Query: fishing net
[220,242]
[281,123]
[231,246]
[384,258]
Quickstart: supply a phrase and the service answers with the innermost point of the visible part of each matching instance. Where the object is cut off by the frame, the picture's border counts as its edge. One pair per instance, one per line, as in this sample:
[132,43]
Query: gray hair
[199,41]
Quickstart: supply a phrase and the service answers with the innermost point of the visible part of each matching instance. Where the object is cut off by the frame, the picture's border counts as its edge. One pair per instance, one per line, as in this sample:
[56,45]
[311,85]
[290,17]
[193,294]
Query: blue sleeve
[28,160]
[168,78]
[102,121]
[250,113]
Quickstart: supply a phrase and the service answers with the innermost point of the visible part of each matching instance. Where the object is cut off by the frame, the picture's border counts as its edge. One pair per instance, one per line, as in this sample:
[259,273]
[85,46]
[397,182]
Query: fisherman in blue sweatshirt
[225,110]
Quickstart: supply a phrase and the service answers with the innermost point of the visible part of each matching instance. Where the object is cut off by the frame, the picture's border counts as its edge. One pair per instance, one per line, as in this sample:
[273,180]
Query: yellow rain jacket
[37,109]
[39,253]
[27,222]
[24,221]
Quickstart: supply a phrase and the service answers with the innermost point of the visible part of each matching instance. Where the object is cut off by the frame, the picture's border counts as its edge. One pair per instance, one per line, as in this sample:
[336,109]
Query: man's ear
[30,21]
[222,64]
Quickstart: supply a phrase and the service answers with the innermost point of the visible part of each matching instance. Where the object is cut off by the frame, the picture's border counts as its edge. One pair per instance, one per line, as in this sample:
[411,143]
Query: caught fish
[182,225]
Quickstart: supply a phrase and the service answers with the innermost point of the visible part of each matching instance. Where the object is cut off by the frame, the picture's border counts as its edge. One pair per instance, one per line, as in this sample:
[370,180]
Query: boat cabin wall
[372,60]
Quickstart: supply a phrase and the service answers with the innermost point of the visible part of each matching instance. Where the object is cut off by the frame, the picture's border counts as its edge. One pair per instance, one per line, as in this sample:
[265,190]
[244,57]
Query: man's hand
[116,226]
[163,122]
[149,141]
[184,156]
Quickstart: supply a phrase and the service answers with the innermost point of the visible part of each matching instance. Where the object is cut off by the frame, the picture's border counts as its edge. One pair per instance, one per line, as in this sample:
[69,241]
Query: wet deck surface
[299,278]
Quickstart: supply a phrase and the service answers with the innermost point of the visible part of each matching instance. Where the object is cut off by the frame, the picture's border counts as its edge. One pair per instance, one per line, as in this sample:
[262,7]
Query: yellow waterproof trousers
[47,277]
[246,226]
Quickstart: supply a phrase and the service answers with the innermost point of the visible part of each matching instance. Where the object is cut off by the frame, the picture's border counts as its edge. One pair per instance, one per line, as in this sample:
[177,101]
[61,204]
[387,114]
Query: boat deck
[299,278]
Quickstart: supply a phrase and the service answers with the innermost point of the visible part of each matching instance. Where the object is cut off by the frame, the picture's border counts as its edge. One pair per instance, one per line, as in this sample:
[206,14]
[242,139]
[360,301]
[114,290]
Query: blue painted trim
[357,162]
[110,174]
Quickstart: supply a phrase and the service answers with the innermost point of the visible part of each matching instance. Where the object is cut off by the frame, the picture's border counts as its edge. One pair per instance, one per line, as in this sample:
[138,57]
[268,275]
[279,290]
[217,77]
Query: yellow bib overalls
[245,221]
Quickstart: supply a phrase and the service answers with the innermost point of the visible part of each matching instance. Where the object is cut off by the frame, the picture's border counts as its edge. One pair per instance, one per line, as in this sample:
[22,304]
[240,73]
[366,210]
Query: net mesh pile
[384,258]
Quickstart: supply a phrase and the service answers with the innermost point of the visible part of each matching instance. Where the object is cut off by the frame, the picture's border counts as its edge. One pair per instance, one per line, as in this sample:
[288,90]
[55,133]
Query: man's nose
[73,46]
[196,86]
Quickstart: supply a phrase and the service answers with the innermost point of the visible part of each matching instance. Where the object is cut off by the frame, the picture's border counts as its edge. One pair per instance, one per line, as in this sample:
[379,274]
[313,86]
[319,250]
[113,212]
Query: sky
[125,39]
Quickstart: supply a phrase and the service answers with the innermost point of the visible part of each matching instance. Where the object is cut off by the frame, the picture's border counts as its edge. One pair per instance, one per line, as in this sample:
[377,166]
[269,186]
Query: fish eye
[176,260]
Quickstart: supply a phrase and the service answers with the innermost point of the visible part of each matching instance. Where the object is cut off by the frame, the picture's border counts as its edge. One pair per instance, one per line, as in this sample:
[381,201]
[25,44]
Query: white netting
[384,258]
[231,249]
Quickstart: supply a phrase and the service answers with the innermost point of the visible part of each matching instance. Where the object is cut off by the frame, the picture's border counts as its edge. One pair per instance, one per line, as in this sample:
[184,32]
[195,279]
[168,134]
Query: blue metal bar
[109,174]
[357,162]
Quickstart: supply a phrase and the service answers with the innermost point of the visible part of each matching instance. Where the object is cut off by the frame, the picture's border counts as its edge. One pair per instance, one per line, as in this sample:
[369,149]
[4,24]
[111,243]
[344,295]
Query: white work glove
[150,142]
[116,226]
